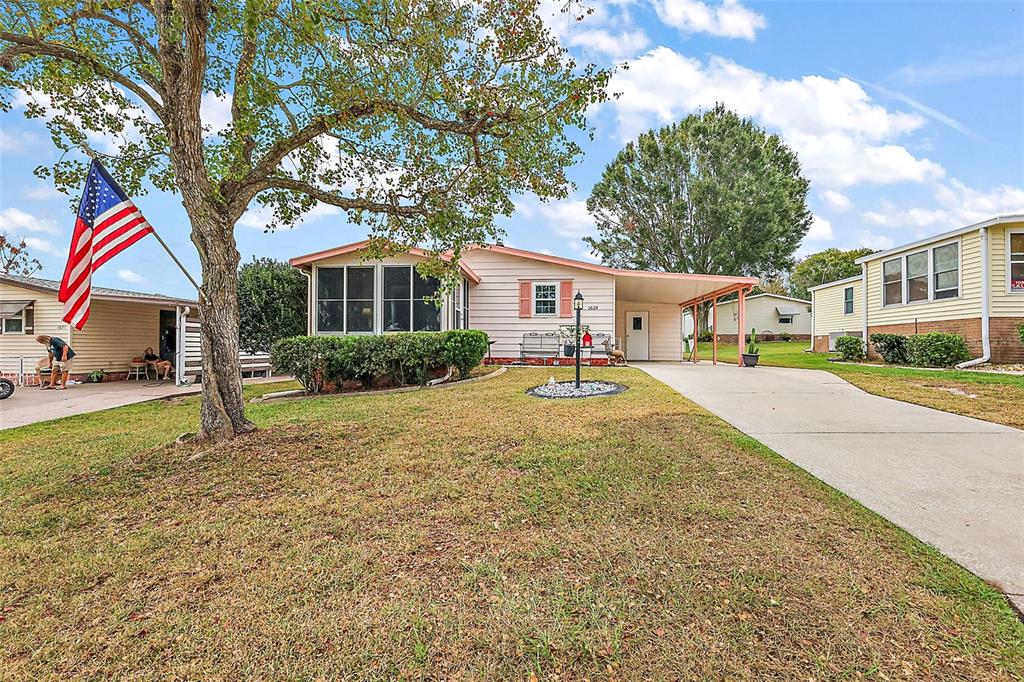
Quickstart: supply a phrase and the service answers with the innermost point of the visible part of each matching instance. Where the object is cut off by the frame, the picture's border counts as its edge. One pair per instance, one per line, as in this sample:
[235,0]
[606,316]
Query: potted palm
[751,355]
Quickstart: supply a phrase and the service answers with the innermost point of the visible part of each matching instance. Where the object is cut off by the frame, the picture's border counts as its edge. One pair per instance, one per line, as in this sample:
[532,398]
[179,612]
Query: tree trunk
[222,415]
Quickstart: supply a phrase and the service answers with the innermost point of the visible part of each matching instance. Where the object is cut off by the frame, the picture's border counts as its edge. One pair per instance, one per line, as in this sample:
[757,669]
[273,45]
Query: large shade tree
[824,266]
[711,194]
[419,118]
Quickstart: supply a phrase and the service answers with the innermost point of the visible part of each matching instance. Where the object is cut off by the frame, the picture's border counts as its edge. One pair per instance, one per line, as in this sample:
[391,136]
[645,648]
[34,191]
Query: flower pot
[750,359]
[570,350]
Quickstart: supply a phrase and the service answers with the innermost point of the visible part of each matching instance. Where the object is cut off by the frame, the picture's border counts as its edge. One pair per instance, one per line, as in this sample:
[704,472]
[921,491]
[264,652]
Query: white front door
[637,337]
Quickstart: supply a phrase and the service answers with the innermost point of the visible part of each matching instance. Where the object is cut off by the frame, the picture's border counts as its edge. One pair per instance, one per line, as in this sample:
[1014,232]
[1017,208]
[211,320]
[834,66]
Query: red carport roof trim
[359,246]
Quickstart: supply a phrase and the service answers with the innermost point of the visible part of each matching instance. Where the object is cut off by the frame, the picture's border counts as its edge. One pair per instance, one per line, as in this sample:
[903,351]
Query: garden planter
[750,359]
[570,350]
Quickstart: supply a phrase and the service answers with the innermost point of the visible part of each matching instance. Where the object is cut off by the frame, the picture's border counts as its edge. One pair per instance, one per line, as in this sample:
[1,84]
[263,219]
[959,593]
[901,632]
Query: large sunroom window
[892,281]
[345,299]
[408,300]
[917,277]
[946,266]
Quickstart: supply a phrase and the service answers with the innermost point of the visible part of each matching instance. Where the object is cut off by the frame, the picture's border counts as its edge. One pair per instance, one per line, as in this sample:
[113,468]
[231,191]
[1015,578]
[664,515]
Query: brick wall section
[547,362]
[1005,343]
[1004,340]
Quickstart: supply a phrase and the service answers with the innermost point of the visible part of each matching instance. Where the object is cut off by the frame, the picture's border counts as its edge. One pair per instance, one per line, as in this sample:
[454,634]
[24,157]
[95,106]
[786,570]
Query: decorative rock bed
[567,389]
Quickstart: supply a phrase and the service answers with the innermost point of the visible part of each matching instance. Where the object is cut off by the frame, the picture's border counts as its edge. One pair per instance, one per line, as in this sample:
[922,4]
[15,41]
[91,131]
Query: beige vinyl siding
[47,320]
[494,302]
[829,315]
[664,328]
[115,333]
[1004,303]
[760,314]
[355,258]
[966,305]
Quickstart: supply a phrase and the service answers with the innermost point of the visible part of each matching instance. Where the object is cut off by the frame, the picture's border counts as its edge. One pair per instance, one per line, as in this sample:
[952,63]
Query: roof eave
[997,220]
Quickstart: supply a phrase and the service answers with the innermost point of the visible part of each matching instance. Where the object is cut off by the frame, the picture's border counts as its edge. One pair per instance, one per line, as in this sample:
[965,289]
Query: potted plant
[567,337]
[751,355]
[96,376]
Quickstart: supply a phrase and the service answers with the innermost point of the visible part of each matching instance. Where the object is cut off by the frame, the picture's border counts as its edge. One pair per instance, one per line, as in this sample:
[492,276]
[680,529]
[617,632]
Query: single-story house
[122,324]
[769,314]
[968,281]
[836,311]
[508,293]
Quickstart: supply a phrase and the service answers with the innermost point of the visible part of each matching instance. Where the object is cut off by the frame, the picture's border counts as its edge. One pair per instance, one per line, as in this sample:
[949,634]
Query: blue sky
[907,118]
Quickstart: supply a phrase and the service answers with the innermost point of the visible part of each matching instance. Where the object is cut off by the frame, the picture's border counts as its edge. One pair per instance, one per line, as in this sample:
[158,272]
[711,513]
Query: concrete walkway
[955,482]
[30,405]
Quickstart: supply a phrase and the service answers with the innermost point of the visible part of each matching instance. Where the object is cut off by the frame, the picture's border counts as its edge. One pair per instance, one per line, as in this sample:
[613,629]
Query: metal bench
[537,345]
[254,363]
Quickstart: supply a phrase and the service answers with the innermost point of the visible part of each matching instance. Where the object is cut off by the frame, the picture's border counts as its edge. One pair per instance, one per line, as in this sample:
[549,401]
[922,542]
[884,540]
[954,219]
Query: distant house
[968,281]
[122,324]
[836,311]
[510,294]
[769,314]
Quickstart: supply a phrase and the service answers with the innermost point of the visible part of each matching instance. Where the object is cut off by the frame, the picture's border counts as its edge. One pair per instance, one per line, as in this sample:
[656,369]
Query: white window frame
[904,289]
[534,299]
[20,316]
[1010,261]
[853,295]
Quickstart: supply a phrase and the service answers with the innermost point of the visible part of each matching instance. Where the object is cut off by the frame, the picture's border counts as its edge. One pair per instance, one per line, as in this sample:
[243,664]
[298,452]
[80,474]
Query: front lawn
[983,395]
[467,532]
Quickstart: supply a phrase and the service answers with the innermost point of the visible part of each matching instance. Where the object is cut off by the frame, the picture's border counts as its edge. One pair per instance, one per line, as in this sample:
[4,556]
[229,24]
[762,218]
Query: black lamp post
[577,304]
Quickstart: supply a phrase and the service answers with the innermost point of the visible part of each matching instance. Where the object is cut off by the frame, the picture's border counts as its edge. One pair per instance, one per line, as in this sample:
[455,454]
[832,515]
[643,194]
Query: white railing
[20,370]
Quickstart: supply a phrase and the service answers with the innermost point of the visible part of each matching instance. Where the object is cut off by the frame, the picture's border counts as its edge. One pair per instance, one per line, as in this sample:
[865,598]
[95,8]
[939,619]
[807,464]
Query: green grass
[468,532]
[989,396]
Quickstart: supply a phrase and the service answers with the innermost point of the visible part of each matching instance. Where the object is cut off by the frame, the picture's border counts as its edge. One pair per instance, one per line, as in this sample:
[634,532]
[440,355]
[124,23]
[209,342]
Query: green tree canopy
[822,267]
[711,194]
[272,303]
[420,118]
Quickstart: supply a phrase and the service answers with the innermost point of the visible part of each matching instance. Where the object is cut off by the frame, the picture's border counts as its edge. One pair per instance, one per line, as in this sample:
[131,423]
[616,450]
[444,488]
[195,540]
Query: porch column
[696,333]
[714,330]
[741,330]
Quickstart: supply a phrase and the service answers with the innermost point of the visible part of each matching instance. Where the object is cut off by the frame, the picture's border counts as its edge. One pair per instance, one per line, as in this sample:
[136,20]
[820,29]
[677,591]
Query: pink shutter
[525,304]
[565,305]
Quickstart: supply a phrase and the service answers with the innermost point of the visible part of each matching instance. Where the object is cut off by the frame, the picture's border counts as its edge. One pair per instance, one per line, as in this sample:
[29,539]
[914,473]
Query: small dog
[615,357]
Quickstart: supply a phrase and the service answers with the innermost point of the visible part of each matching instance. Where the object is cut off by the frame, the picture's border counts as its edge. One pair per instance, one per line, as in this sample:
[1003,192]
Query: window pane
[329,283]
[945,258]
[947,293]
[1017,277]
[917,264]
[638,324]
[893,293]
[1017,246]
[945,280]
[917,289]
[329,316]
[396,316]
[13,325]
[892,270]
[426,317]
[848,294]
[360,284]
[423,287]
[396,282]
[542,307]
[360,316]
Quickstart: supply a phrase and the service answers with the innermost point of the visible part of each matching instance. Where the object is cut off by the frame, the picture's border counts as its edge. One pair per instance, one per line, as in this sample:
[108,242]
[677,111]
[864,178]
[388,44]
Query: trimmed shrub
[1020,333]
[403,359]
[850,348]
[706,336]
[464,349]
[892,348]
[937,349]
[786,337]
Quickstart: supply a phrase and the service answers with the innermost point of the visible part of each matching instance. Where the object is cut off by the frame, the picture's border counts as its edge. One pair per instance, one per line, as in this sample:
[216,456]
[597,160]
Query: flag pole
[178,263]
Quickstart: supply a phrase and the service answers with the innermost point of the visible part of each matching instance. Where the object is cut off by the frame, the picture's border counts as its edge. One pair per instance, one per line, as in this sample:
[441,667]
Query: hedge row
[934,349]
[403,359]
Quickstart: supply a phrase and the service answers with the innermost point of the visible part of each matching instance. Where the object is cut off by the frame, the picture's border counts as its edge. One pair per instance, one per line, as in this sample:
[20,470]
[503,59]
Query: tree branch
[347,203]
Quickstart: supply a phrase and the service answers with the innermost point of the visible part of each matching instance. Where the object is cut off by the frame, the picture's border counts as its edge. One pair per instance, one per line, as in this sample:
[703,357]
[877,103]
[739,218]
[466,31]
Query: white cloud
[874,241]
[730,19]
[215,112]
[617,45]
[957,205]
[129,276]
[913,217]
[11,143]
[36,245]
[259,217]
[43,192]
[841,135]
[996,61]
[820,231]
[837,201]
[568,218]
[19,221]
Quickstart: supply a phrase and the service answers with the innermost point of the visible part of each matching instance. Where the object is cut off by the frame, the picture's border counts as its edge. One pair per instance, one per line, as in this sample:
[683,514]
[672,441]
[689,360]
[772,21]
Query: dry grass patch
[471,532]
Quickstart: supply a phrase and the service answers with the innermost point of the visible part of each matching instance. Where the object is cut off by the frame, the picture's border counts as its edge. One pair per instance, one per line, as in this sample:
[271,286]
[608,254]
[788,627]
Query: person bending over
[61,356]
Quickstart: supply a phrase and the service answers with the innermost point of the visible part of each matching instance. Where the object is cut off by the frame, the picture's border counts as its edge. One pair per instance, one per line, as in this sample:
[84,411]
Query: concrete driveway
[955,482]
[29,404]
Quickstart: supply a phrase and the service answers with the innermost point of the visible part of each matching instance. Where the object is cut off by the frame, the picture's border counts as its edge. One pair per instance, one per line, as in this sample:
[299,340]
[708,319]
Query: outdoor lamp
[577,304]
[577,301]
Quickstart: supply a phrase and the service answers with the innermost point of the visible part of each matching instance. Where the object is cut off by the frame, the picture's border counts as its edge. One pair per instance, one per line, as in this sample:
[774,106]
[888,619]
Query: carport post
[741,330]
[714,330]
[696,333]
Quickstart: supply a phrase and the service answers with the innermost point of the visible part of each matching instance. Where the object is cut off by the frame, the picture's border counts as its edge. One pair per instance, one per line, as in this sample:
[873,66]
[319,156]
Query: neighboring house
[507,293]
[968,281]
[769,314]
[836,310]
[121,325]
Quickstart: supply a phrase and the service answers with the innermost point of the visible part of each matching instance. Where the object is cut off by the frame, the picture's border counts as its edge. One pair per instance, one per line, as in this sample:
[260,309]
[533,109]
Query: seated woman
[161,365]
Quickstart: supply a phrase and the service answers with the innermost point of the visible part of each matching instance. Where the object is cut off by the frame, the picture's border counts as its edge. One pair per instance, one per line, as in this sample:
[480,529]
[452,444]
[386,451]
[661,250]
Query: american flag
[107,224]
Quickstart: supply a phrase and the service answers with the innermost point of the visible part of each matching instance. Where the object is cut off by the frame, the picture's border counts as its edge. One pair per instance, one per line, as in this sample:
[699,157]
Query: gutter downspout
[810,348]
[986,297]
[179,365]
[864,303]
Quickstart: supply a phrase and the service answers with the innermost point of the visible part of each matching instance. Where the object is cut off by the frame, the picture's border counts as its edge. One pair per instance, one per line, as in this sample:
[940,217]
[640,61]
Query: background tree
[15,259]
[271,303]
[420,118]
[824,266]
[711,194]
